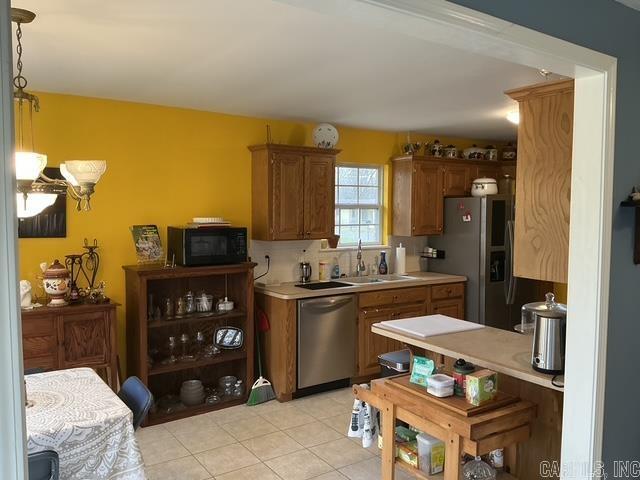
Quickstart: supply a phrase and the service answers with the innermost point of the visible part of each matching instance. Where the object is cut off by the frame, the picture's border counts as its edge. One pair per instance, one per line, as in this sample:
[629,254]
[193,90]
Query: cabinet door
[427,199]
[319,201]
[486,171]
[370,345]
[85,339]
[451,308]
[287,196]
[543,192]
[457,182]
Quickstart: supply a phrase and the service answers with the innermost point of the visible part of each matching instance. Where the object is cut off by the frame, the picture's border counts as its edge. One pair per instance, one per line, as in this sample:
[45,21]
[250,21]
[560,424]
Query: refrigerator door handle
[510,280]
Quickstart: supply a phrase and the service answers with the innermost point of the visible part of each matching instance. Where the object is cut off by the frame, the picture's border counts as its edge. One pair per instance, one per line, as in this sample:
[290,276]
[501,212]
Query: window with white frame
[359,204]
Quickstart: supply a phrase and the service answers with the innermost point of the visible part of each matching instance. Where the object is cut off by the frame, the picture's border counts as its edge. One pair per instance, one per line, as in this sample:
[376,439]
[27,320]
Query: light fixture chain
[19,81]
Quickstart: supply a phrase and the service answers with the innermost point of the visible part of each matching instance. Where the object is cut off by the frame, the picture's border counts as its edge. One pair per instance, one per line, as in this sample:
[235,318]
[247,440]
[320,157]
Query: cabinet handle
[308,234]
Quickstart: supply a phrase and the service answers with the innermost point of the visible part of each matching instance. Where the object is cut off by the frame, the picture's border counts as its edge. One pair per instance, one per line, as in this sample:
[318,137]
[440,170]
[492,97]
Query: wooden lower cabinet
[279,344]
[70,337]
[451,308]
[380,306]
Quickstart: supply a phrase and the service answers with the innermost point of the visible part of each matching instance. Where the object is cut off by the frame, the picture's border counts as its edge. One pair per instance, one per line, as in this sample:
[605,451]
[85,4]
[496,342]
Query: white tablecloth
[76,414]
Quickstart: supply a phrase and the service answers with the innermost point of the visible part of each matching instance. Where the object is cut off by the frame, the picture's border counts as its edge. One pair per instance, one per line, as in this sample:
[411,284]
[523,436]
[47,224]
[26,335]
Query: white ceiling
[267,59]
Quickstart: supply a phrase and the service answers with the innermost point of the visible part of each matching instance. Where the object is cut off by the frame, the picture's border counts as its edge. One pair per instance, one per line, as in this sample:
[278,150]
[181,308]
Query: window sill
[354,248]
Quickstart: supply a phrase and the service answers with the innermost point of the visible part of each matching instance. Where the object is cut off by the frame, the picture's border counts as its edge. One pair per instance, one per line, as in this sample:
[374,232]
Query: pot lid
[485,180]
[56,265]
[549,308]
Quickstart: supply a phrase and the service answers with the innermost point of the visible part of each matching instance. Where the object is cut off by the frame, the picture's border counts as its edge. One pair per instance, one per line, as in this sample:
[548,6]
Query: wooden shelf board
[156,418]
[225,356]
[194,318]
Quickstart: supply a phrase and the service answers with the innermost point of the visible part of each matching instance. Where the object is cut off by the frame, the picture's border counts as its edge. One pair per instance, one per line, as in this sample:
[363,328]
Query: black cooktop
[323,285]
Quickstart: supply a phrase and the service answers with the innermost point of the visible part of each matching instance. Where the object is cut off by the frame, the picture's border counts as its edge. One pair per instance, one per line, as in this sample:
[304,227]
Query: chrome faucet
[360,266]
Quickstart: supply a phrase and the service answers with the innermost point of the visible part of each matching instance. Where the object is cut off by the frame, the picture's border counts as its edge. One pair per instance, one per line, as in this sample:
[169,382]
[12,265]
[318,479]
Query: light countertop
[289,291]
[501,351]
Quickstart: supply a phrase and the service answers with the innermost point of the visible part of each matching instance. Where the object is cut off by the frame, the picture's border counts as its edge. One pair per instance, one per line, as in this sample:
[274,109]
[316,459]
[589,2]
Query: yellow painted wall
[165,166]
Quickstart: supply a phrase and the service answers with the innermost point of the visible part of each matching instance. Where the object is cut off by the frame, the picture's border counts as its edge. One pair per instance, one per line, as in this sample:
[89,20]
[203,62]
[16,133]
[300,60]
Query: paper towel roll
[401,260]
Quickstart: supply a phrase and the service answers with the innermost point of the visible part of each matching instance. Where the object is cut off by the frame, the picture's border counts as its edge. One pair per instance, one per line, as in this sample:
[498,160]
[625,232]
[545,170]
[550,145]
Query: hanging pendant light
[36,191]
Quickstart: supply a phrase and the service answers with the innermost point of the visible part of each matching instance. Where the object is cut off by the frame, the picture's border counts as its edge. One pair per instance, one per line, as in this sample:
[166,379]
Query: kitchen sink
[376,279]
[323,285]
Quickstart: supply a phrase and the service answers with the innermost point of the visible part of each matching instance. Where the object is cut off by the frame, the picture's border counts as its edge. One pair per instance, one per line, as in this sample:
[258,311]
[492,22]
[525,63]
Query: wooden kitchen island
[508,354]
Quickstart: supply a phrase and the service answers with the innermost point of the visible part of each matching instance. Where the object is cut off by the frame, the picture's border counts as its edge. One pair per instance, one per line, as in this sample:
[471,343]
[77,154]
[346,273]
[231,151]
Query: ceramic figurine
[25,293]
[56,281]
[635,195]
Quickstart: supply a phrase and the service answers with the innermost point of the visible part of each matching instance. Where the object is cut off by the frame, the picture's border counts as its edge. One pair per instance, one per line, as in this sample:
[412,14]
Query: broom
[261,391]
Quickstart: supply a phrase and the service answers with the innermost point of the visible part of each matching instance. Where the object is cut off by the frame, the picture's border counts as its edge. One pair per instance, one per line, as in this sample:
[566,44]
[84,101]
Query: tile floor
[298,440]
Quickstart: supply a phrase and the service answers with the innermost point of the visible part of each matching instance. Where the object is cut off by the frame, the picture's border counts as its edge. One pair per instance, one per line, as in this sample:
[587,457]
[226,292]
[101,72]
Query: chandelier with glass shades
[36,191]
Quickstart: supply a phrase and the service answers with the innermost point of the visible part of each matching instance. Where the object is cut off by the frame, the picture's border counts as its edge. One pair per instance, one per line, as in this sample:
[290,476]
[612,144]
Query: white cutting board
[430,325]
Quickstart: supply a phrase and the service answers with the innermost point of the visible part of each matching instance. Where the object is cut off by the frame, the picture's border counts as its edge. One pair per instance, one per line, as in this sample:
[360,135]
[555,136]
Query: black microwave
[194,247]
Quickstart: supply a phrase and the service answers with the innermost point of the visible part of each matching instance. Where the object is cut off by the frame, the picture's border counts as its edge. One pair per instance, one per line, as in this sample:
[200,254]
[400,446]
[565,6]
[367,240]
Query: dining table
[76,414]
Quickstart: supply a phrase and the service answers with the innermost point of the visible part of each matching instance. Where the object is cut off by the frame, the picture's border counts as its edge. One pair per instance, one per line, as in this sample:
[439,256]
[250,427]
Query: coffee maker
[549,320]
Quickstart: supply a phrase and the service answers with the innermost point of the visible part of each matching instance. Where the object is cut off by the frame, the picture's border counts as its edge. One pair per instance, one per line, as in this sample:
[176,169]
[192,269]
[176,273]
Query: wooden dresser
[84,335]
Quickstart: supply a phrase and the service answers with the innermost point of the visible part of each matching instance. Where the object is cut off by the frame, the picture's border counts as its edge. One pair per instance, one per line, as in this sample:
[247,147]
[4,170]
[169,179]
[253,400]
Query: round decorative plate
[325,135]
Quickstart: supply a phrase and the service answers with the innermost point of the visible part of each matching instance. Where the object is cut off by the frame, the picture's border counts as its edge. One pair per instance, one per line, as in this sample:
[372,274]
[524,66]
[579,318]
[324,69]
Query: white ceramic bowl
[482,187]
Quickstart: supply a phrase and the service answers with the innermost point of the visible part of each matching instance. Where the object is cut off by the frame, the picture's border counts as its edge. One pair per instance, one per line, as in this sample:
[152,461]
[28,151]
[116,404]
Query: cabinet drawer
[453,290]
[38,326]
[392,297]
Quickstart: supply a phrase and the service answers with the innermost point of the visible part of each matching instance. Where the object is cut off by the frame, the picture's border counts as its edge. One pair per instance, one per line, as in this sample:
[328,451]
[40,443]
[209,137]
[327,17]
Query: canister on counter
[324,270]
[460,371]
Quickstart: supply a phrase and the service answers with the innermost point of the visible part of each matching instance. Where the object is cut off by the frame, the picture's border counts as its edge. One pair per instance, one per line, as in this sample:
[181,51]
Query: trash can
[394,363]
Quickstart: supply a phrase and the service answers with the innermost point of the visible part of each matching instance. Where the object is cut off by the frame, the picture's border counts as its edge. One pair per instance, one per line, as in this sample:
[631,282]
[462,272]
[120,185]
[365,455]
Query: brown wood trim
[159,272]
[278,147]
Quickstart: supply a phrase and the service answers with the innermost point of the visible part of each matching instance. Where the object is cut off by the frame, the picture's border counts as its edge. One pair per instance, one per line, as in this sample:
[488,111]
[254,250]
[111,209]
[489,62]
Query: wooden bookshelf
[147,336]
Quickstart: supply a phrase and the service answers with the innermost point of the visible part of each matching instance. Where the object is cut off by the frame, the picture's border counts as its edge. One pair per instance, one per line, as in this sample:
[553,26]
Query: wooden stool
[501,427]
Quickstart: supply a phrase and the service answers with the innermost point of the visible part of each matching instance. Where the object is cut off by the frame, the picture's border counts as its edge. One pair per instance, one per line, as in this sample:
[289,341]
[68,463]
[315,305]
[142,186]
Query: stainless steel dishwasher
[326,339]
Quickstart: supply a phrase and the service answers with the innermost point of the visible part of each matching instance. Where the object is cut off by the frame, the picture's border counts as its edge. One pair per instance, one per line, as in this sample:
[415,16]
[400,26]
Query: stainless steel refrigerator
[478,241]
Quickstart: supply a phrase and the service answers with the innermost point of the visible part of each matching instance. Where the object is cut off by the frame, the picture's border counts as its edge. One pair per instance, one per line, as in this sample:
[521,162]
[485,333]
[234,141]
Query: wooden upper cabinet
[427,197]
[292,192]
[488,171]
[417,197]
[543,184]
[319,192]
[457,180]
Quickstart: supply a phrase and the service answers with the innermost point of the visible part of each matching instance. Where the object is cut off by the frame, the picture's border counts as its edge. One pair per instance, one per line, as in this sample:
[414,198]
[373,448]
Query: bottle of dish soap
[335,271]
[382,267]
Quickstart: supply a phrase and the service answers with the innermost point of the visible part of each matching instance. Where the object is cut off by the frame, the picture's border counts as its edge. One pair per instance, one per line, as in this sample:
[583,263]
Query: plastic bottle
[382,267]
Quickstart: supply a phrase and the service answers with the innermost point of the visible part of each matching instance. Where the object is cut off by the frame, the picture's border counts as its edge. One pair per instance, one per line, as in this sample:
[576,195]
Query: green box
[482,387]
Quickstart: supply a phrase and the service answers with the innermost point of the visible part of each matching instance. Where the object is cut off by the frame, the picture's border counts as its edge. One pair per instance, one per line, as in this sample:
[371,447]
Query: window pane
[347,176]
[349,235]
[369,216]
[337,220]
[369,195]
[369,233]
[369,176]
[349,216]
[348,195]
